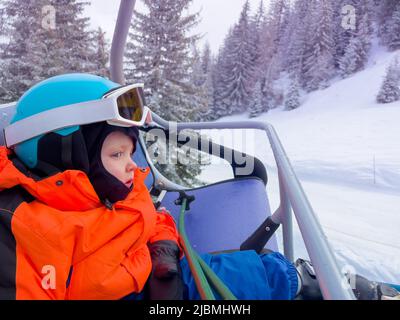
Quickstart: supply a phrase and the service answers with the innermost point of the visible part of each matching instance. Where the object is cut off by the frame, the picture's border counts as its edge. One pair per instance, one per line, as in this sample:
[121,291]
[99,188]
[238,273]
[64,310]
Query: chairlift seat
[223,214]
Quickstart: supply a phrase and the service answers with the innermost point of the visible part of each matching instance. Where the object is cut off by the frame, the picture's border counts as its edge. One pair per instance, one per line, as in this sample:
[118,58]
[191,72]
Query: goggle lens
[131,104]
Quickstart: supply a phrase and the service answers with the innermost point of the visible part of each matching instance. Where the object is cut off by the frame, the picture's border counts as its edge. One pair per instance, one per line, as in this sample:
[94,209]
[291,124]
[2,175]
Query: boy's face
[116,155]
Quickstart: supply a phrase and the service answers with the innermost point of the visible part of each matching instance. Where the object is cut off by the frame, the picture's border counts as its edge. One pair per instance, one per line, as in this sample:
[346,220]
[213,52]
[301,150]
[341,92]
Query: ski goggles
[123,106]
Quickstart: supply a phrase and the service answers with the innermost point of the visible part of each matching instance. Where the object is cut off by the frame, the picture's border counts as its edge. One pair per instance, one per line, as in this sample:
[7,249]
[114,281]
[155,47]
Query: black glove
[309,284]
[165,281]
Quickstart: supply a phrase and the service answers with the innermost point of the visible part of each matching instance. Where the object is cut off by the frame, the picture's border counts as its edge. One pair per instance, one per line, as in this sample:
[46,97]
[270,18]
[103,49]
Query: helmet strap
[46,168]
[66,151]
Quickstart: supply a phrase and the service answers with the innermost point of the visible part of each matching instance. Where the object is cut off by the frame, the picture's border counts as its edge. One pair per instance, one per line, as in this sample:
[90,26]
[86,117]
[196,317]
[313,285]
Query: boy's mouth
[129,183]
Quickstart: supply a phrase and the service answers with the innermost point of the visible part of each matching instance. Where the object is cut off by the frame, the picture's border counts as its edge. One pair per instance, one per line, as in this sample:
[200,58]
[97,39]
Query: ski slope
[345,150]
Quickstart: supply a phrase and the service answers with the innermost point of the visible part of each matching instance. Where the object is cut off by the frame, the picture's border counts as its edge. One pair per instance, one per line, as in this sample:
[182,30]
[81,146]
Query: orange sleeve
[165,229]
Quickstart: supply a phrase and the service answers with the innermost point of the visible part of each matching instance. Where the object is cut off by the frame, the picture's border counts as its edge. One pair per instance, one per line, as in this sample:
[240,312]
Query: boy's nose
[131,165]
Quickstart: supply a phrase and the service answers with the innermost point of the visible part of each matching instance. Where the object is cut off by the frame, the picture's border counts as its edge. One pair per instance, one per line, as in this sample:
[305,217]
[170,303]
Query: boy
[71,229]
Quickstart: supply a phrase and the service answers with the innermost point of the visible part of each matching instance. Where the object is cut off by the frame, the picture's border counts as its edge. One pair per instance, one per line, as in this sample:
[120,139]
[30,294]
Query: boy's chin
[129,185]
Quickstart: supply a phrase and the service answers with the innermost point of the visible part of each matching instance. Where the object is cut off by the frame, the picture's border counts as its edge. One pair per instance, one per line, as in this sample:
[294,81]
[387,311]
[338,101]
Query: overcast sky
[216,17]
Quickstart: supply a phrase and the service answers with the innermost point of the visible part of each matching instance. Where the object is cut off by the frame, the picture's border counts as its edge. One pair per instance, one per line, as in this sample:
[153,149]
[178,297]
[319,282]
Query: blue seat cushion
[224,214]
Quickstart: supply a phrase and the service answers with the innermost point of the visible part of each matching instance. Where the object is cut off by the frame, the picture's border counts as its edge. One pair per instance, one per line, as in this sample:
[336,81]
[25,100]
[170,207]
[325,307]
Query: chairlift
[232,214]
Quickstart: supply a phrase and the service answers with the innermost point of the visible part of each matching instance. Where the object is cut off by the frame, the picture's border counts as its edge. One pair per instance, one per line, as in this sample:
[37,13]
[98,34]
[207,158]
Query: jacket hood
[70,190]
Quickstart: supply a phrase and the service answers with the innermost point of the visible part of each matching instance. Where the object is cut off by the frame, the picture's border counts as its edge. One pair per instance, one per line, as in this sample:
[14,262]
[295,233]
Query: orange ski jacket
[58,241]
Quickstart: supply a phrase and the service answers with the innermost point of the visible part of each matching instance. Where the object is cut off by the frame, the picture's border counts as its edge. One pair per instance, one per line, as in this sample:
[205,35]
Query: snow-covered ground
[345,150]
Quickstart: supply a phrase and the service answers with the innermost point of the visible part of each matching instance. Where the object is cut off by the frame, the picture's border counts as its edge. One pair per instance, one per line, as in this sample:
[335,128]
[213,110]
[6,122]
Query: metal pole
[286,216]
[119,40]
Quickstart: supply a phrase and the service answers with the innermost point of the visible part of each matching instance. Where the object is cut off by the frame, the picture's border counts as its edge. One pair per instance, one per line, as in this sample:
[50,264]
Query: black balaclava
[81,150]
[106,185]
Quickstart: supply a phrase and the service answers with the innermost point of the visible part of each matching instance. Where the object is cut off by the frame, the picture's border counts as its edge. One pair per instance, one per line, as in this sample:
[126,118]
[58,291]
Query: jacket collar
[69,190]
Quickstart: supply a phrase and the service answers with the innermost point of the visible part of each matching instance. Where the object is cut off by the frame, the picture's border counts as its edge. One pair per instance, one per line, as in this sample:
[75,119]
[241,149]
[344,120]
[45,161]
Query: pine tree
[297,39]
[159,54]
[353,41]
[256,25]
[101,53]
[319,64]
[271,30]
[285,44]
[207,66]
[35,52]
[388,22]
[197,75]
[342,33]
[15,70]
[198,80]
[277,19]
[390,89]
[220,107]
[3,23]
[292,100]
[240,80]
[356,53]
[4,33]
[284,34]
[267,43]
[393,29]
[273,34]
[271,98]
[206,59]
[257,101]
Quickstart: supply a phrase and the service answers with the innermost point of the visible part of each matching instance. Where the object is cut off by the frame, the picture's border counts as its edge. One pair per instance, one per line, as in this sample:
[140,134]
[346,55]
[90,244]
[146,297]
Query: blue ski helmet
[52,93]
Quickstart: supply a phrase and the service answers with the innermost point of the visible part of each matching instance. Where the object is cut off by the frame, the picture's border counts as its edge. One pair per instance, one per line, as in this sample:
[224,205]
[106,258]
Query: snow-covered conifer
[390,89]
[255,26]
[292,100]
[36,50]
[219,72]
[159,54]
[298,39]
[388,23]
[393,29]
[319,63]
[257,102]
[356,53]
[101,53]
[239,60]
[207,66]
[198,80]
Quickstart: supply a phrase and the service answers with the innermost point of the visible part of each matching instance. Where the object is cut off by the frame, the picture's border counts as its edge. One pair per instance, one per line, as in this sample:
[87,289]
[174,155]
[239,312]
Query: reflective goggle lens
[131,104]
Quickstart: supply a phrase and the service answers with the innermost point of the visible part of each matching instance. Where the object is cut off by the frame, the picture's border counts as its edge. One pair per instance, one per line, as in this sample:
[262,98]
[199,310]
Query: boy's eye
[117,154]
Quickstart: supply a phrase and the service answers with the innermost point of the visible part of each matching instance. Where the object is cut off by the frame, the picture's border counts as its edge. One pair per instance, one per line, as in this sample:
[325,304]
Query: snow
[344,148]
